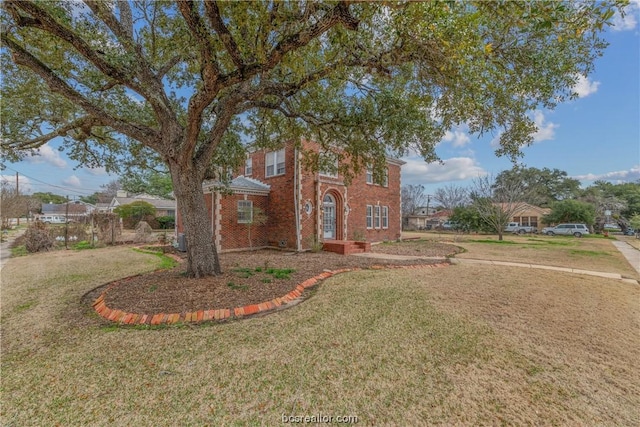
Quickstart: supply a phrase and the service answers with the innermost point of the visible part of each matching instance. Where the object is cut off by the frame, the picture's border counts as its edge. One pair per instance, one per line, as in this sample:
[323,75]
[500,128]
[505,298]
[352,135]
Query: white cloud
[631,175]
[47,154]
[457,138]
[417,171]
[584,87]
[546,130]
[630,20]
[24,183]
[72,181]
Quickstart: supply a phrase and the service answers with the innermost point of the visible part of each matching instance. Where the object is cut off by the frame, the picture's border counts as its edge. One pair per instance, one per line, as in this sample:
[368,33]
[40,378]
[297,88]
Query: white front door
[329,217]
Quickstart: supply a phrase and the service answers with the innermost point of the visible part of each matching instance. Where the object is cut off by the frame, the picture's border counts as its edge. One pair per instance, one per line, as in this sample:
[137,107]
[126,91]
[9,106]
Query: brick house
[301,208]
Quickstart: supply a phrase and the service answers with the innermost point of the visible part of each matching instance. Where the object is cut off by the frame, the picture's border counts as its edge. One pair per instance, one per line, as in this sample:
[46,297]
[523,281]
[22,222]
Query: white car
[577,230]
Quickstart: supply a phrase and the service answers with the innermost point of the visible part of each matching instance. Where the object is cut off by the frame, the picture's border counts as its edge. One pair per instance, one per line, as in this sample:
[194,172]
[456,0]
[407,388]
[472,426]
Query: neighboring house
[530,215]
[301,207]
[420,220]
[164,207]
[103,207]
[74,211]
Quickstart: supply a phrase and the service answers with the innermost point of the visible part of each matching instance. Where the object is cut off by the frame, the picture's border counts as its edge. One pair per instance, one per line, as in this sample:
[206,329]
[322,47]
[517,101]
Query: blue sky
[596,136]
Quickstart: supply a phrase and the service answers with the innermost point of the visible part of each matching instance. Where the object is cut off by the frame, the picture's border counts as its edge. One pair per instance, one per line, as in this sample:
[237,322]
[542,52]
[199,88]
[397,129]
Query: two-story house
[277,202]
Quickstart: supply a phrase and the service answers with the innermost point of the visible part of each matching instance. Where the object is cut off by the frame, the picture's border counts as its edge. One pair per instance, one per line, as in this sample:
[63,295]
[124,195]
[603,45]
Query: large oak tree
[185,82]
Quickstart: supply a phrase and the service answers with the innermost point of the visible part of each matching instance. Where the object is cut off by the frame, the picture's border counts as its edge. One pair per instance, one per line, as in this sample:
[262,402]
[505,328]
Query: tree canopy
[571,211]
[182,83]
[545,186]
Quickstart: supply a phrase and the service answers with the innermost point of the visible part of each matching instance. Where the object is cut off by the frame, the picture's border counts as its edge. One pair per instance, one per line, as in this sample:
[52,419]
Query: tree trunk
[499,235]
[202,256]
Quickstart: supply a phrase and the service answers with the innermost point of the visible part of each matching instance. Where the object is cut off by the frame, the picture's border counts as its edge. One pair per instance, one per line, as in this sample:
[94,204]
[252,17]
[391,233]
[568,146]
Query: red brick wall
[236,235]
[279,206]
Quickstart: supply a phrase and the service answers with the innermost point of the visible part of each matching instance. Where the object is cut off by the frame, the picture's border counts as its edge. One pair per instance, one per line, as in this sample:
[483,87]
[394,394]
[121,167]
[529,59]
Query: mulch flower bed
[248,278]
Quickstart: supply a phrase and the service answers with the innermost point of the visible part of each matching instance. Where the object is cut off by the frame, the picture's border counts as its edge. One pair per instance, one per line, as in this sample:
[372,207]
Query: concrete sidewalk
[5,247]
[632,255]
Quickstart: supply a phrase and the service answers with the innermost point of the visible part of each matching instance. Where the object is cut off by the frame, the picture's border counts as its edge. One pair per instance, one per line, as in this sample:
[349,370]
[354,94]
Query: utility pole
[66,225]
[18,196]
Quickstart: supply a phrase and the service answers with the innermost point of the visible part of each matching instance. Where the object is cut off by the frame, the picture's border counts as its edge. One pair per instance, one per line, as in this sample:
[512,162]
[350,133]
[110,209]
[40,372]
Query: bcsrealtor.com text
[319,419]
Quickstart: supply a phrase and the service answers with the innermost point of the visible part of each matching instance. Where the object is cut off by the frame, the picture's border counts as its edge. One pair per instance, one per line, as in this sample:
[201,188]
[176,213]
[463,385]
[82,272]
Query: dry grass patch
[456,345]
[596,254]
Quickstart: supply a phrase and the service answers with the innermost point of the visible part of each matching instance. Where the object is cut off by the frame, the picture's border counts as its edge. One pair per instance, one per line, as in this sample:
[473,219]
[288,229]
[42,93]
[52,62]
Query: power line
[67,189]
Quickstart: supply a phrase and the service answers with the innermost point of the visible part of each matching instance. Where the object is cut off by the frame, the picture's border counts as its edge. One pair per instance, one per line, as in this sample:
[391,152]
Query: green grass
[83,245]
[166,262]
[20,250]
[588,253]
[237,287]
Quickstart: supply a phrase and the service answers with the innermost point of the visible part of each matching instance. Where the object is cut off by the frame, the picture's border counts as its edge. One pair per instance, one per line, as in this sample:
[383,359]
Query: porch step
[346,247]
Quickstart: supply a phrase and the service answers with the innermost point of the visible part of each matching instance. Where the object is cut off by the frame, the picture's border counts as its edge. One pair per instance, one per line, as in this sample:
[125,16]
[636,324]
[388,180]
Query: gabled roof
[240,184]
[75,207]
[156,202]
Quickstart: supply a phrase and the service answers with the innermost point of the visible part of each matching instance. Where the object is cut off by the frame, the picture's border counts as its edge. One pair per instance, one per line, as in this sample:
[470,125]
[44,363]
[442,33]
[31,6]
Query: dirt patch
[248,278]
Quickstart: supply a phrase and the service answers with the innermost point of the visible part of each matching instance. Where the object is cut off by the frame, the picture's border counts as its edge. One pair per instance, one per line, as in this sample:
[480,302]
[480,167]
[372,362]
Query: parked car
[577,230]
[612,227]
[629,231]
[52,219]
[516,228]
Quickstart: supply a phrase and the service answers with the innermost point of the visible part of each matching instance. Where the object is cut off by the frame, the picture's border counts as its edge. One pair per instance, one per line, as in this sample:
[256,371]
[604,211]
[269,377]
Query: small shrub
[280,273]
[37,238]
[315,244]
[244,273]
[359,236]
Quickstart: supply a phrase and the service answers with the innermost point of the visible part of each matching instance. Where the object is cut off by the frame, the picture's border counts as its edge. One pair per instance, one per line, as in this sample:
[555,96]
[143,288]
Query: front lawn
[462,344]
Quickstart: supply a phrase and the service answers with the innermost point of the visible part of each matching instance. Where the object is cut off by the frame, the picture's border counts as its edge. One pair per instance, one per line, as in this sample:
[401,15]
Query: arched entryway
[332,219]
[329,217]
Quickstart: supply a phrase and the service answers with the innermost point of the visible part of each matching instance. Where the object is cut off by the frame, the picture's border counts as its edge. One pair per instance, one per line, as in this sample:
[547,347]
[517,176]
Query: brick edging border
[126,318]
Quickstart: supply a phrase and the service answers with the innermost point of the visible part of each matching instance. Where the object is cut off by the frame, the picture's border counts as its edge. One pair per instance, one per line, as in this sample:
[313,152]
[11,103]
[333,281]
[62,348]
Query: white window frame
[244,207]
[248,166]
[369,178]
[385,217]
[369,214]
[385,179]
[275,160]
[376,216]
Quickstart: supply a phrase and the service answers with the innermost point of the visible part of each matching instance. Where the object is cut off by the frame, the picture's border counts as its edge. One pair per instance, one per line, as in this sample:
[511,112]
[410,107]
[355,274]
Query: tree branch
[213,13]
[43,139]
[339,14]
[44,21]
[209,72]
[59,86]
[154,92]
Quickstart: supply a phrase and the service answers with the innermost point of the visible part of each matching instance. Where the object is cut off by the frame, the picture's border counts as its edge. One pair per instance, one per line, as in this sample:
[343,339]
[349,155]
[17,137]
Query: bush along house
[277,201]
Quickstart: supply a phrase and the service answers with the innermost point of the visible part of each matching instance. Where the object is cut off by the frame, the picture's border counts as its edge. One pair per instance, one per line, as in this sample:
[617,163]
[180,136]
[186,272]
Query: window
[245,211]
[383,182]
[385,217]
[369,216]
[248,166]
[274,162]
[376,217]
[328,164]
